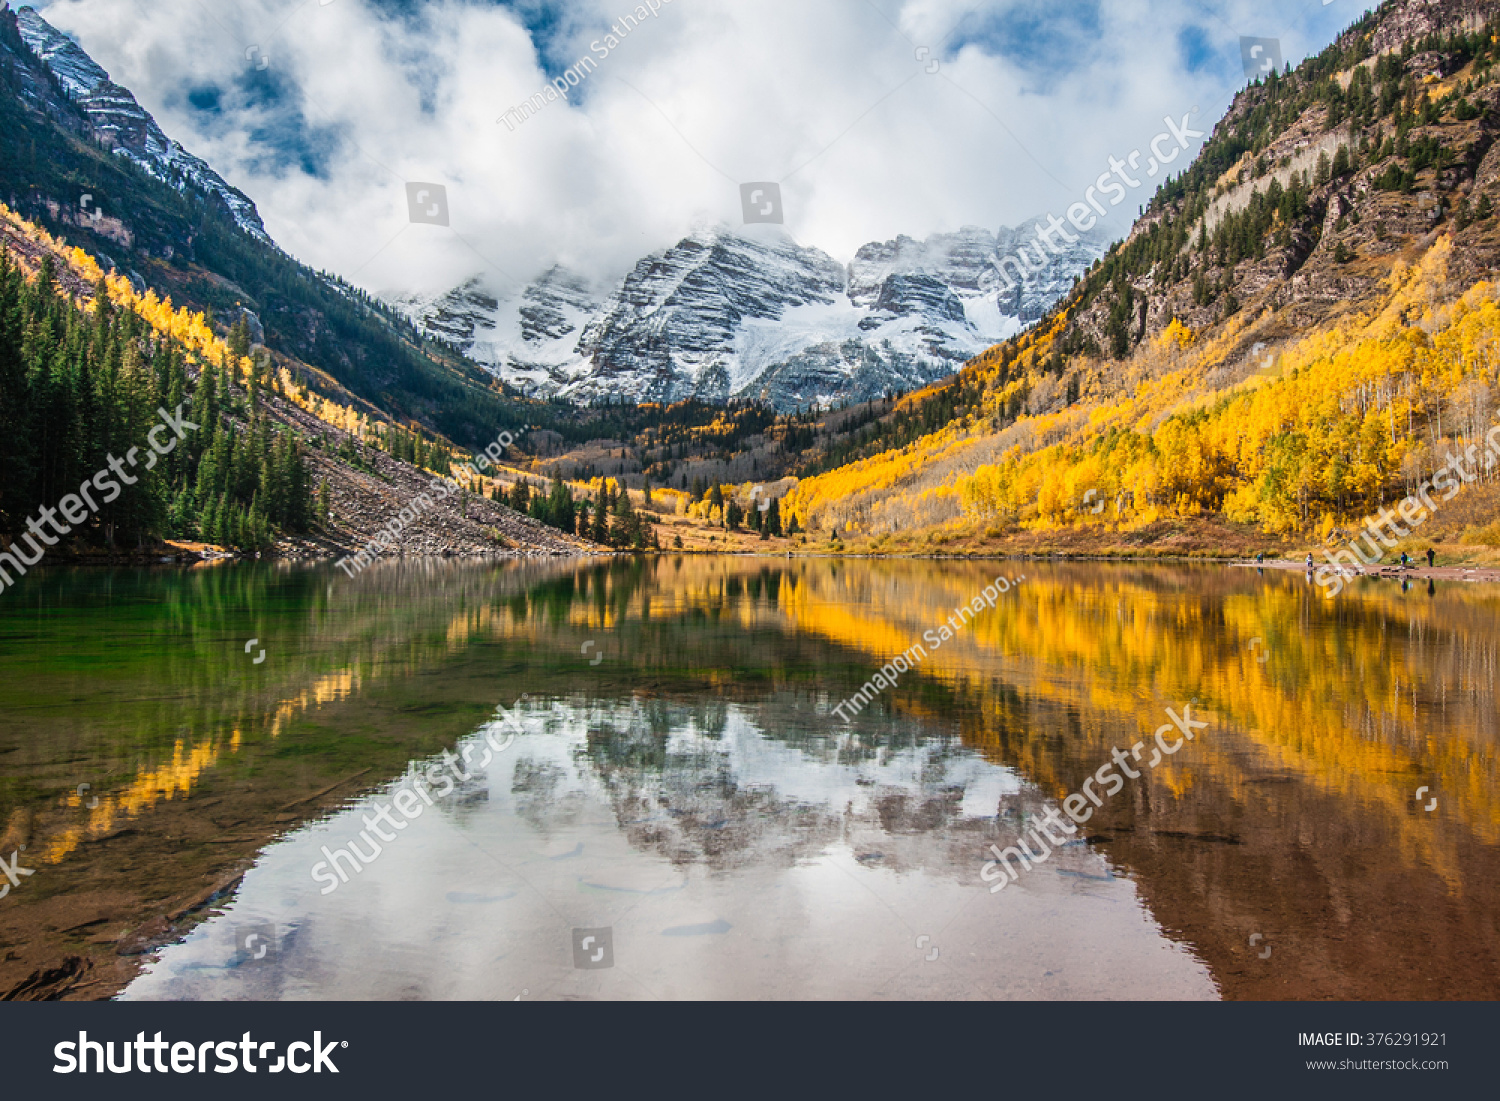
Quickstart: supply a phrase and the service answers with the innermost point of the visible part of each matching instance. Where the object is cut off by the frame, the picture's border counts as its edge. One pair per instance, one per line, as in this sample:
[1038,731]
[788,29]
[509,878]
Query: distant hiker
[1405,558]
[1431,557]
[1259,558]
[1309,559]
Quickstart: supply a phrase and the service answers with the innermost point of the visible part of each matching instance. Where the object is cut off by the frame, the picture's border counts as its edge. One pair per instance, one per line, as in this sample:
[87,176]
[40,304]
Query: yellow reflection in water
[183,772]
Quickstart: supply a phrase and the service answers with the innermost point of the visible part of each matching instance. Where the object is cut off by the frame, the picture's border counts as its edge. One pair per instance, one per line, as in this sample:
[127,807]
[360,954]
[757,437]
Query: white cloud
[827,96]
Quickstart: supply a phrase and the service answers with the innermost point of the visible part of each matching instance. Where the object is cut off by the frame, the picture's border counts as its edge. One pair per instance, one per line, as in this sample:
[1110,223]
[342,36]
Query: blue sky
[876,117]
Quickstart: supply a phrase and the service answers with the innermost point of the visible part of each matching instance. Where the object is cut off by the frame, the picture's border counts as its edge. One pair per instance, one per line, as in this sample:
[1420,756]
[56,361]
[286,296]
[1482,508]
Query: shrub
[1487,536]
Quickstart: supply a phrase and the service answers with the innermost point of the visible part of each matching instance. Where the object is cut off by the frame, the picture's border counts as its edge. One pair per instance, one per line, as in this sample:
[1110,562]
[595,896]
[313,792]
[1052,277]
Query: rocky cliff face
[124,125]
[726,314]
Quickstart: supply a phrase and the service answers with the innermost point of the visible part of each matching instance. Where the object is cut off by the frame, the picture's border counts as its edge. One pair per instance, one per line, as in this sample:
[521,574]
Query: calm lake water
[666,805]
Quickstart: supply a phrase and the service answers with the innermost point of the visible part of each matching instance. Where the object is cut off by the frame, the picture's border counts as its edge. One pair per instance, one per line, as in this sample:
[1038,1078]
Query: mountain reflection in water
[683,795]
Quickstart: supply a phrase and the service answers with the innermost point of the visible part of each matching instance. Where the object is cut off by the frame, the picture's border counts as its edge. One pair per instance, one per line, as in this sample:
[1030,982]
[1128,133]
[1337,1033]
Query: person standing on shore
[1431,557]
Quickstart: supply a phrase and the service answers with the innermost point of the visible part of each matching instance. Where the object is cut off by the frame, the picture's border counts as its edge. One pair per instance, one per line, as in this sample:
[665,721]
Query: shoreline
[1412,572]
[193,556]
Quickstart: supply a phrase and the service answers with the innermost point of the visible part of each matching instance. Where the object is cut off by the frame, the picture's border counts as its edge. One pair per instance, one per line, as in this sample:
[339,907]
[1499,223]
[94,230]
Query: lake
[640,779]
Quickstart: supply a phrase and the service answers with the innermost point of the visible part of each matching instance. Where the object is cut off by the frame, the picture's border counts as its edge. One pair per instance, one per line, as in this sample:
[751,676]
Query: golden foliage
[189,328]
[1360,408]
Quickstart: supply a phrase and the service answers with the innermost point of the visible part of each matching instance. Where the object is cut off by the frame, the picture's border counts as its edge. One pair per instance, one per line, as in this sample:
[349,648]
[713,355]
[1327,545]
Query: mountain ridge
[171,225]
[131,131]
[749,314]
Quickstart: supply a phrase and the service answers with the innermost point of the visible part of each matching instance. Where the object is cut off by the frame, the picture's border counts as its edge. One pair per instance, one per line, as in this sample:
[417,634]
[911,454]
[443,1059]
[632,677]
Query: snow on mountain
[1050,275]
[127,126]
[957,259]
[669,331]
[750,313]
[528,339]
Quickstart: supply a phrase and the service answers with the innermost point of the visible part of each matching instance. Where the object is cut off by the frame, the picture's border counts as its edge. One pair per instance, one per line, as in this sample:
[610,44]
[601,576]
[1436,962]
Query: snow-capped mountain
[128,127]
[1049,277]
[529,339]
[750,313]
[693,320]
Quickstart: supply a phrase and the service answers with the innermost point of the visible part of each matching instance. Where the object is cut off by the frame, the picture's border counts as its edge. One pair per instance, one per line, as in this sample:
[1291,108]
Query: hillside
[86,364]
[83,160]
[1297,331]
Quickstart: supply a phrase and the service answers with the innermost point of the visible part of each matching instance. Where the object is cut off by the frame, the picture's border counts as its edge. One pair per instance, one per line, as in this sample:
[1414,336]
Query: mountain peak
[78,73]
[124,125]
[734,312]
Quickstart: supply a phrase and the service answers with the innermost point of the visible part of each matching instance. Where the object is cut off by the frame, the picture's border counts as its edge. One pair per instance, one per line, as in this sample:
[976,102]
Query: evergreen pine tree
[600,532]
[560,507]
[239,339]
